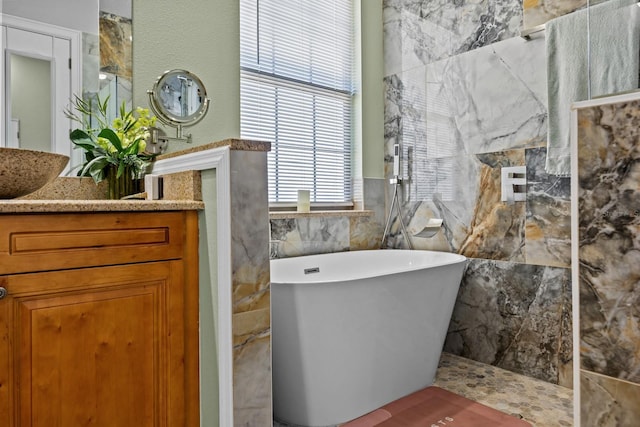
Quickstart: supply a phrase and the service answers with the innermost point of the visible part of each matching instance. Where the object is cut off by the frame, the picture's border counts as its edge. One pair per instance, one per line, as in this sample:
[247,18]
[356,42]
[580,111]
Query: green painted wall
[372,66]
[201,36]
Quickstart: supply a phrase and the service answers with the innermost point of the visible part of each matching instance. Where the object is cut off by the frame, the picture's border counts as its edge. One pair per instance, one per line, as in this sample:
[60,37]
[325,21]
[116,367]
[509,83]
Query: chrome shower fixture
[394,201]
[433,225]
[396,161]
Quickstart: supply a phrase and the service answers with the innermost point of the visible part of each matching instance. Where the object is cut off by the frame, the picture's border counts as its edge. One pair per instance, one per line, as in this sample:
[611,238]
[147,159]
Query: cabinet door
[96,346]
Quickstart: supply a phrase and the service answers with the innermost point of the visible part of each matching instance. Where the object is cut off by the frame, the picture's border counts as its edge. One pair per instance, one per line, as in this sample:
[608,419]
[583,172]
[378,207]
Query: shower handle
[396,160]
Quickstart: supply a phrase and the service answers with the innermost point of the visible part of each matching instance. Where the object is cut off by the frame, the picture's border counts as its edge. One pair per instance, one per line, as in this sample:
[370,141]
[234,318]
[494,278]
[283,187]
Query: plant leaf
[104,105]
[78,135]
[128,124]
[89,146]
[82,139]
[120,169]
[94,168]
[112,137]
[132,149]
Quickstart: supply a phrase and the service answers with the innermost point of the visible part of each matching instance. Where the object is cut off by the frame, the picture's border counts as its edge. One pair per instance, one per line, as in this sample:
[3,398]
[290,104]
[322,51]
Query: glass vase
[122,186]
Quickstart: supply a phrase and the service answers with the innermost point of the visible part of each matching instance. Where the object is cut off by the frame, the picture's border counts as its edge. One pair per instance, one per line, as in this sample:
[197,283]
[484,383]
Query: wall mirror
[179,99]
[38,77]
[52,51]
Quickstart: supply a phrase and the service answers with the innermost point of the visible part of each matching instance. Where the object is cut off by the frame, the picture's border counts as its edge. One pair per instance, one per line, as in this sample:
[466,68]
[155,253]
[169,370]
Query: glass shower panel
[118,90]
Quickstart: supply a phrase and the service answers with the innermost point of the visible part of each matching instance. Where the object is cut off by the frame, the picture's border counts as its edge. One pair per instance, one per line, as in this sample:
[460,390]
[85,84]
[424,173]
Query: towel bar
[527,32]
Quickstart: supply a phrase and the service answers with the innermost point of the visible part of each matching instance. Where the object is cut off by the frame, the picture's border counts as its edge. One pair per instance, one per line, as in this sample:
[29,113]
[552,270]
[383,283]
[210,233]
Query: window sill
[320,214]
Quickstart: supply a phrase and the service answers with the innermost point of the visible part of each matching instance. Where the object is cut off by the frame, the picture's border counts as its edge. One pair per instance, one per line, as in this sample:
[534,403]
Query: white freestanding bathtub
[353,331]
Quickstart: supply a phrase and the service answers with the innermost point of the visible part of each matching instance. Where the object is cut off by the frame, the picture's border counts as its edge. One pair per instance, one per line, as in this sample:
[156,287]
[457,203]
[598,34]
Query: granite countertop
[42,206]
[71,194]
[233,144]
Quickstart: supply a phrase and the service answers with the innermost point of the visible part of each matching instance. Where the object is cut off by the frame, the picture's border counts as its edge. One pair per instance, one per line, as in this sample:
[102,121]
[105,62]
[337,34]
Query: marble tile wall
[296,235]
[466,96]
[525,313]
[116,54]
[251,320]
[609,253]
[419,32]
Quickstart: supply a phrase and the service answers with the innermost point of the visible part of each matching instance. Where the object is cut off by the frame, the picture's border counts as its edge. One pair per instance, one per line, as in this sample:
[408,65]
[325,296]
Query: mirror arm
[187,138]
[179,134]
[159,138]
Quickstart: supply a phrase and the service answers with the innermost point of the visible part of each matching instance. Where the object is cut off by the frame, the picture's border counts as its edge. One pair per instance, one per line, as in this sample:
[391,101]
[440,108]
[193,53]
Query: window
[296,92]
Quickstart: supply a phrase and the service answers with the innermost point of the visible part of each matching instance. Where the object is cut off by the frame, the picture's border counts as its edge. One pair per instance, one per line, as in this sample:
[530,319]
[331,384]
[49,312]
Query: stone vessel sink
[24,171]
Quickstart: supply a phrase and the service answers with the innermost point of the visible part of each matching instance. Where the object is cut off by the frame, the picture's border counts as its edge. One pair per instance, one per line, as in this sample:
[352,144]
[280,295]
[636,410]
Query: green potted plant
[114,151]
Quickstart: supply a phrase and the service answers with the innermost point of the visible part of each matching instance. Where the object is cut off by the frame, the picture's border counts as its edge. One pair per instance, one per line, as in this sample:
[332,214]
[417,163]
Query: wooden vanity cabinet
[99,324]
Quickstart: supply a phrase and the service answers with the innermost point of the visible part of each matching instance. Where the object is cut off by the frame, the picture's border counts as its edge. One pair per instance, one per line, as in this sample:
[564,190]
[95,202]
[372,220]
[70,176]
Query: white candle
[304,205]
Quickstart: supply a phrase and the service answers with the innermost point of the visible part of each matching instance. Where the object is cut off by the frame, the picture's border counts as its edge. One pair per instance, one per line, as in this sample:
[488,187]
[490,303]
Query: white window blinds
[296,92]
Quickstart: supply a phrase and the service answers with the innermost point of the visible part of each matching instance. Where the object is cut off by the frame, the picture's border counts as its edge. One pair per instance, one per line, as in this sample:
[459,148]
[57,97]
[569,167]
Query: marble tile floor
[540,403]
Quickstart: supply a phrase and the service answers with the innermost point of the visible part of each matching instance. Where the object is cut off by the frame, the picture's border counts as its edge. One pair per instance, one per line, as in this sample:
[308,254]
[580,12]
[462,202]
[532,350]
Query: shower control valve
[514,184]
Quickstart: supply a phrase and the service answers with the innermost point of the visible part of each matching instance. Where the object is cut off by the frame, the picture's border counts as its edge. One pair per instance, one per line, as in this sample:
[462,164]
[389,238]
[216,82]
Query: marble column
[251,290]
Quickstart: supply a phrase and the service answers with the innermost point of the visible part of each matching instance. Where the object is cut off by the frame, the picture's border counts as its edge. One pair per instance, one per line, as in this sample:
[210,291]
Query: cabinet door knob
[3,292]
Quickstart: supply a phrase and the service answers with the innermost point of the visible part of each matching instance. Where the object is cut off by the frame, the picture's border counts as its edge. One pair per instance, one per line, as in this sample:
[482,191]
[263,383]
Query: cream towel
[615,50]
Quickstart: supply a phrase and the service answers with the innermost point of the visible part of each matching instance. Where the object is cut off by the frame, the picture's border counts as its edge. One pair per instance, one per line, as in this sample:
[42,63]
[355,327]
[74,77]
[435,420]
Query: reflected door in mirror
[37,88]
[30,80]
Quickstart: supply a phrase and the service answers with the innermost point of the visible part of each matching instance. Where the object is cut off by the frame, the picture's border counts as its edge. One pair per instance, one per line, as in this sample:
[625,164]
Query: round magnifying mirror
[178,98]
